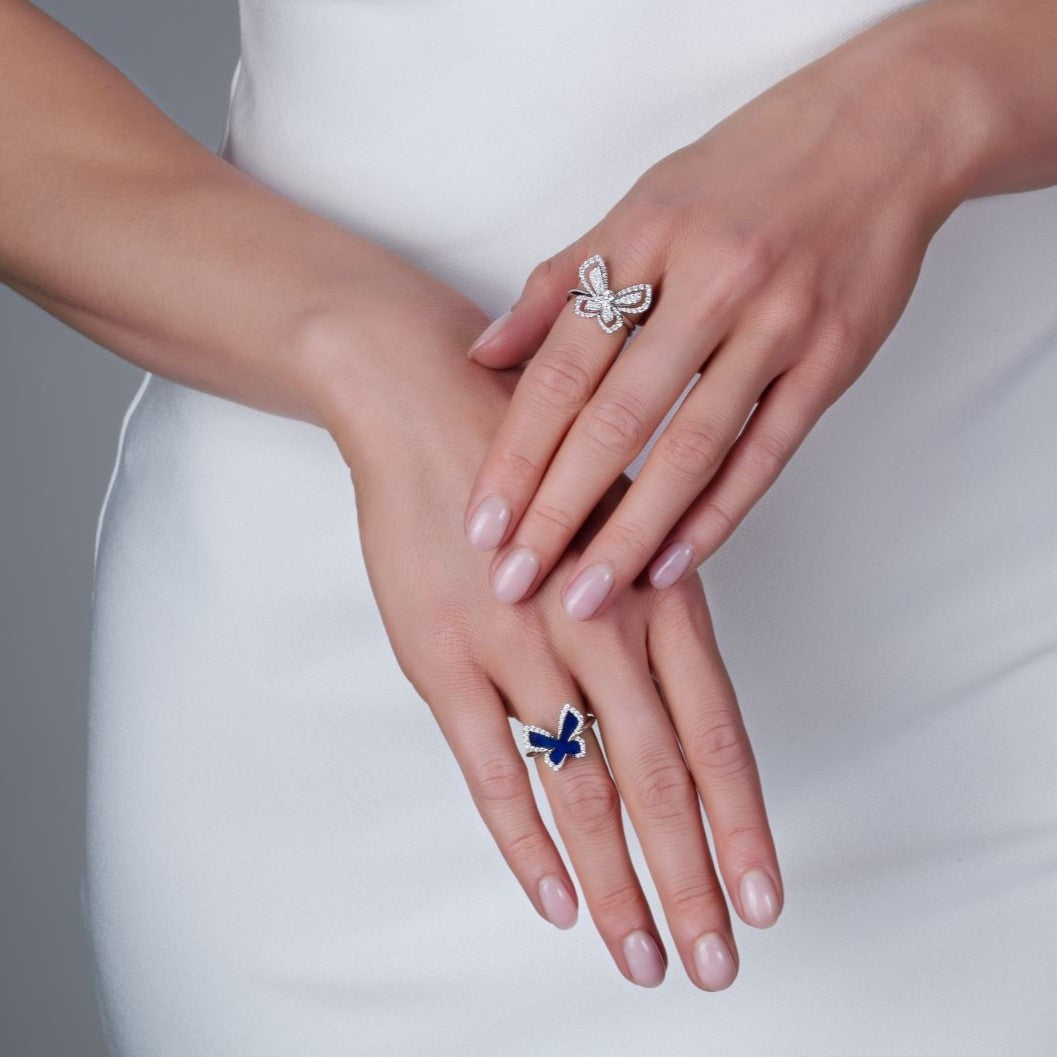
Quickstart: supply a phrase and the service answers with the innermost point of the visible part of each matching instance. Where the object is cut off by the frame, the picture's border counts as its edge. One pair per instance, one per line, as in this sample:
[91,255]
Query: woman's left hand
[782,247]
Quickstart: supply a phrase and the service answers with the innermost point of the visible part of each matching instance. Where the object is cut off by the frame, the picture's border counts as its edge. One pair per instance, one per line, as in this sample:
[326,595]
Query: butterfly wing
[633,299]
[569,726]
[557,748]
[538,740]
[570,723]
[594,277]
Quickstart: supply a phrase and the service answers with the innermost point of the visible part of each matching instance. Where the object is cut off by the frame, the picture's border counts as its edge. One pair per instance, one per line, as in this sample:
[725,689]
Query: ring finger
[586,808]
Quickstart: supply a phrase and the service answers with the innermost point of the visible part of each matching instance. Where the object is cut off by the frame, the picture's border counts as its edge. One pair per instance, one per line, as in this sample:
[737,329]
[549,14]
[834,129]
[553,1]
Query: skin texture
[117,222]
[859,158]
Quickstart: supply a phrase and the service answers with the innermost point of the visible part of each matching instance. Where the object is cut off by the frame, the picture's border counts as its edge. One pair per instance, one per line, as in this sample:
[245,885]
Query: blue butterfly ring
[568,742]
[594,299]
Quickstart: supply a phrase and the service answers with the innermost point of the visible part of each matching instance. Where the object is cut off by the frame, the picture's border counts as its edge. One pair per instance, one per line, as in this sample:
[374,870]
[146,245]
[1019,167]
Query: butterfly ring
[595,300]
[568,742]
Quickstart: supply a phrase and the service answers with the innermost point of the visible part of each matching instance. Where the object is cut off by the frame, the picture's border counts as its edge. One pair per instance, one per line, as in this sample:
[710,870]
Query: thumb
[516,335]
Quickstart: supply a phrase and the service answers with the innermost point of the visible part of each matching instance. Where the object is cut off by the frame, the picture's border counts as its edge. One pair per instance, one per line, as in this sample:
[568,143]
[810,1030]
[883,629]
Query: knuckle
[517,468]
[814,383]
[617,424]
[692,451]
[499,782]
[839,327]
[800,307]
[690,895]
[653,223]
[746,257]
[721,748]
[665,791]
[589,800]
[834,359]
[770,450]
[616,902]
[542,273]
[563,382]
[753,254]
[792,304]
[743,834]
[714,514]
[550,518]
[529,846]
[631,540]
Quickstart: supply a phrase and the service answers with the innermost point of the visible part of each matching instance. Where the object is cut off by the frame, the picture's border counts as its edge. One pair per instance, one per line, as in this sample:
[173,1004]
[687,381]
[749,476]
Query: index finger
[554,387]
[477,729]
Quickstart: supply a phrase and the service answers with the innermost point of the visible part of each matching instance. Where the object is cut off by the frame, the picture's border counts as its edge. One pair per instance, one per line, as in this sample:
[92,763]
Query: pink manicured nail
[588,591]
[489,332]
[644,959]
[758,898]
[557,902]
[489,522]
[671,564]
[715,966]
[514,577]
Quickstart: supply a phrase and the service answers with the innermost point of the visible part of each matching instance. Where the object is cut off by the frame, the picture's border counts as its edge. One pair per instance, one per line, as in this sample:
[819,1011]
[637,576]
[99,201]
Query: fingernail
[489,332]
[489,522]
[672,563]
[588,591]
[558,904]
[715,966]
[759,900]
[514,577]
[644,959]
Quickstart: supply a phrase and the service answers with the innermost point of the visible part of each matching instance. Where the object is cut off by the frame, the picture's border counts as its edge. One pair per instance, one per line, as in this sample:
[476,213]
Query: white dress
[888,611]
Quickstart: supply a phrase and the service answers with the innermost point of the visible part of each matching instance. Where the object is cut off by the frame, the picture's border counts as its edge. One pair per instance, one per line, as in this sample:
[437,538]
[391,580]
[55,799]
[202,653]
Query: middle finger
[662,800]
[586,809]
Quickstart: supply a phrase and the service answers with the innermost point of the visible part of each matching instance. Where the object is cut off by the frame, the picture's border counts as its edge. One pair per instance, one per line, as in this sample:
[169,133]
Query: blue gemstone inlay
[561,746]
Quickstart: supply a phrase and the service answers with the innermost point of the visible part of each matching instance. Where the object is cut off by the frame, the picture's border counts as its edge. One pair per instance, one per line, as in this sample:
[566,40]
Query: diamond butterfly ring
[595,300]
[568,742]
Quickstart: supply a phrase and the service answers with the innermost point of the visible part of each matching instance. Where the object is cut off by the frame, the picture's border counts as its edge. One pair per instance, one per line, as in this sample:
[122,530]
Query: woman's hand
[782,247]
[477,662]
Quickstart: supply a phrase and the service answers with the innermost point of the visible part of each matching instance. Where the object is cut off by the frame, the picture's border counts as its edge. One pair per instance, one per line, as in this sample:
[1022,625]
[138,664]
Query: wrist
[397,386]
[918,85]
[1006,52]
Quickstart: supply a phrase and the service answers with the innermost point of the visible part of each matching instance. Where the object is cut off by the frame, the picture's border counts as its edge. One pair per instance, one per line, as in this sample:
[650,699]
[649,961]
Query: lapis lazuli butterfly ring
[567,742]
[594,299]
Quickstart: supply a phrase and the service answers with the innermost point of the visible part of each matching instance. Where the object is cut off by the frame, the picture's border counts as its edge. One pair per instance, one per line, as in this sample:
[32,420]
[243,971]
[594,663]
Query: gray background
[61,402]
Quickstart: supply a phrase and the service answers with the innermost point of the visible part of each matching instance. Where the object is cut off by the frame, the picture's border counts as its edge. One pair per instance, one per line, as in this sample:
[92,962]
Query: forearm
[115,220]
[985,74]
[1013,50]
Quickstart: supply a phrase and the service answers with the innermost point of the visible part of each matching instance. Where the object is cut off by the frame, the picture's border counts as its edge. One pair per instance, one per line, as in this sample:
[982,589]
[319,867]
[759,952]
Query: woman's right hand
[413,453]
